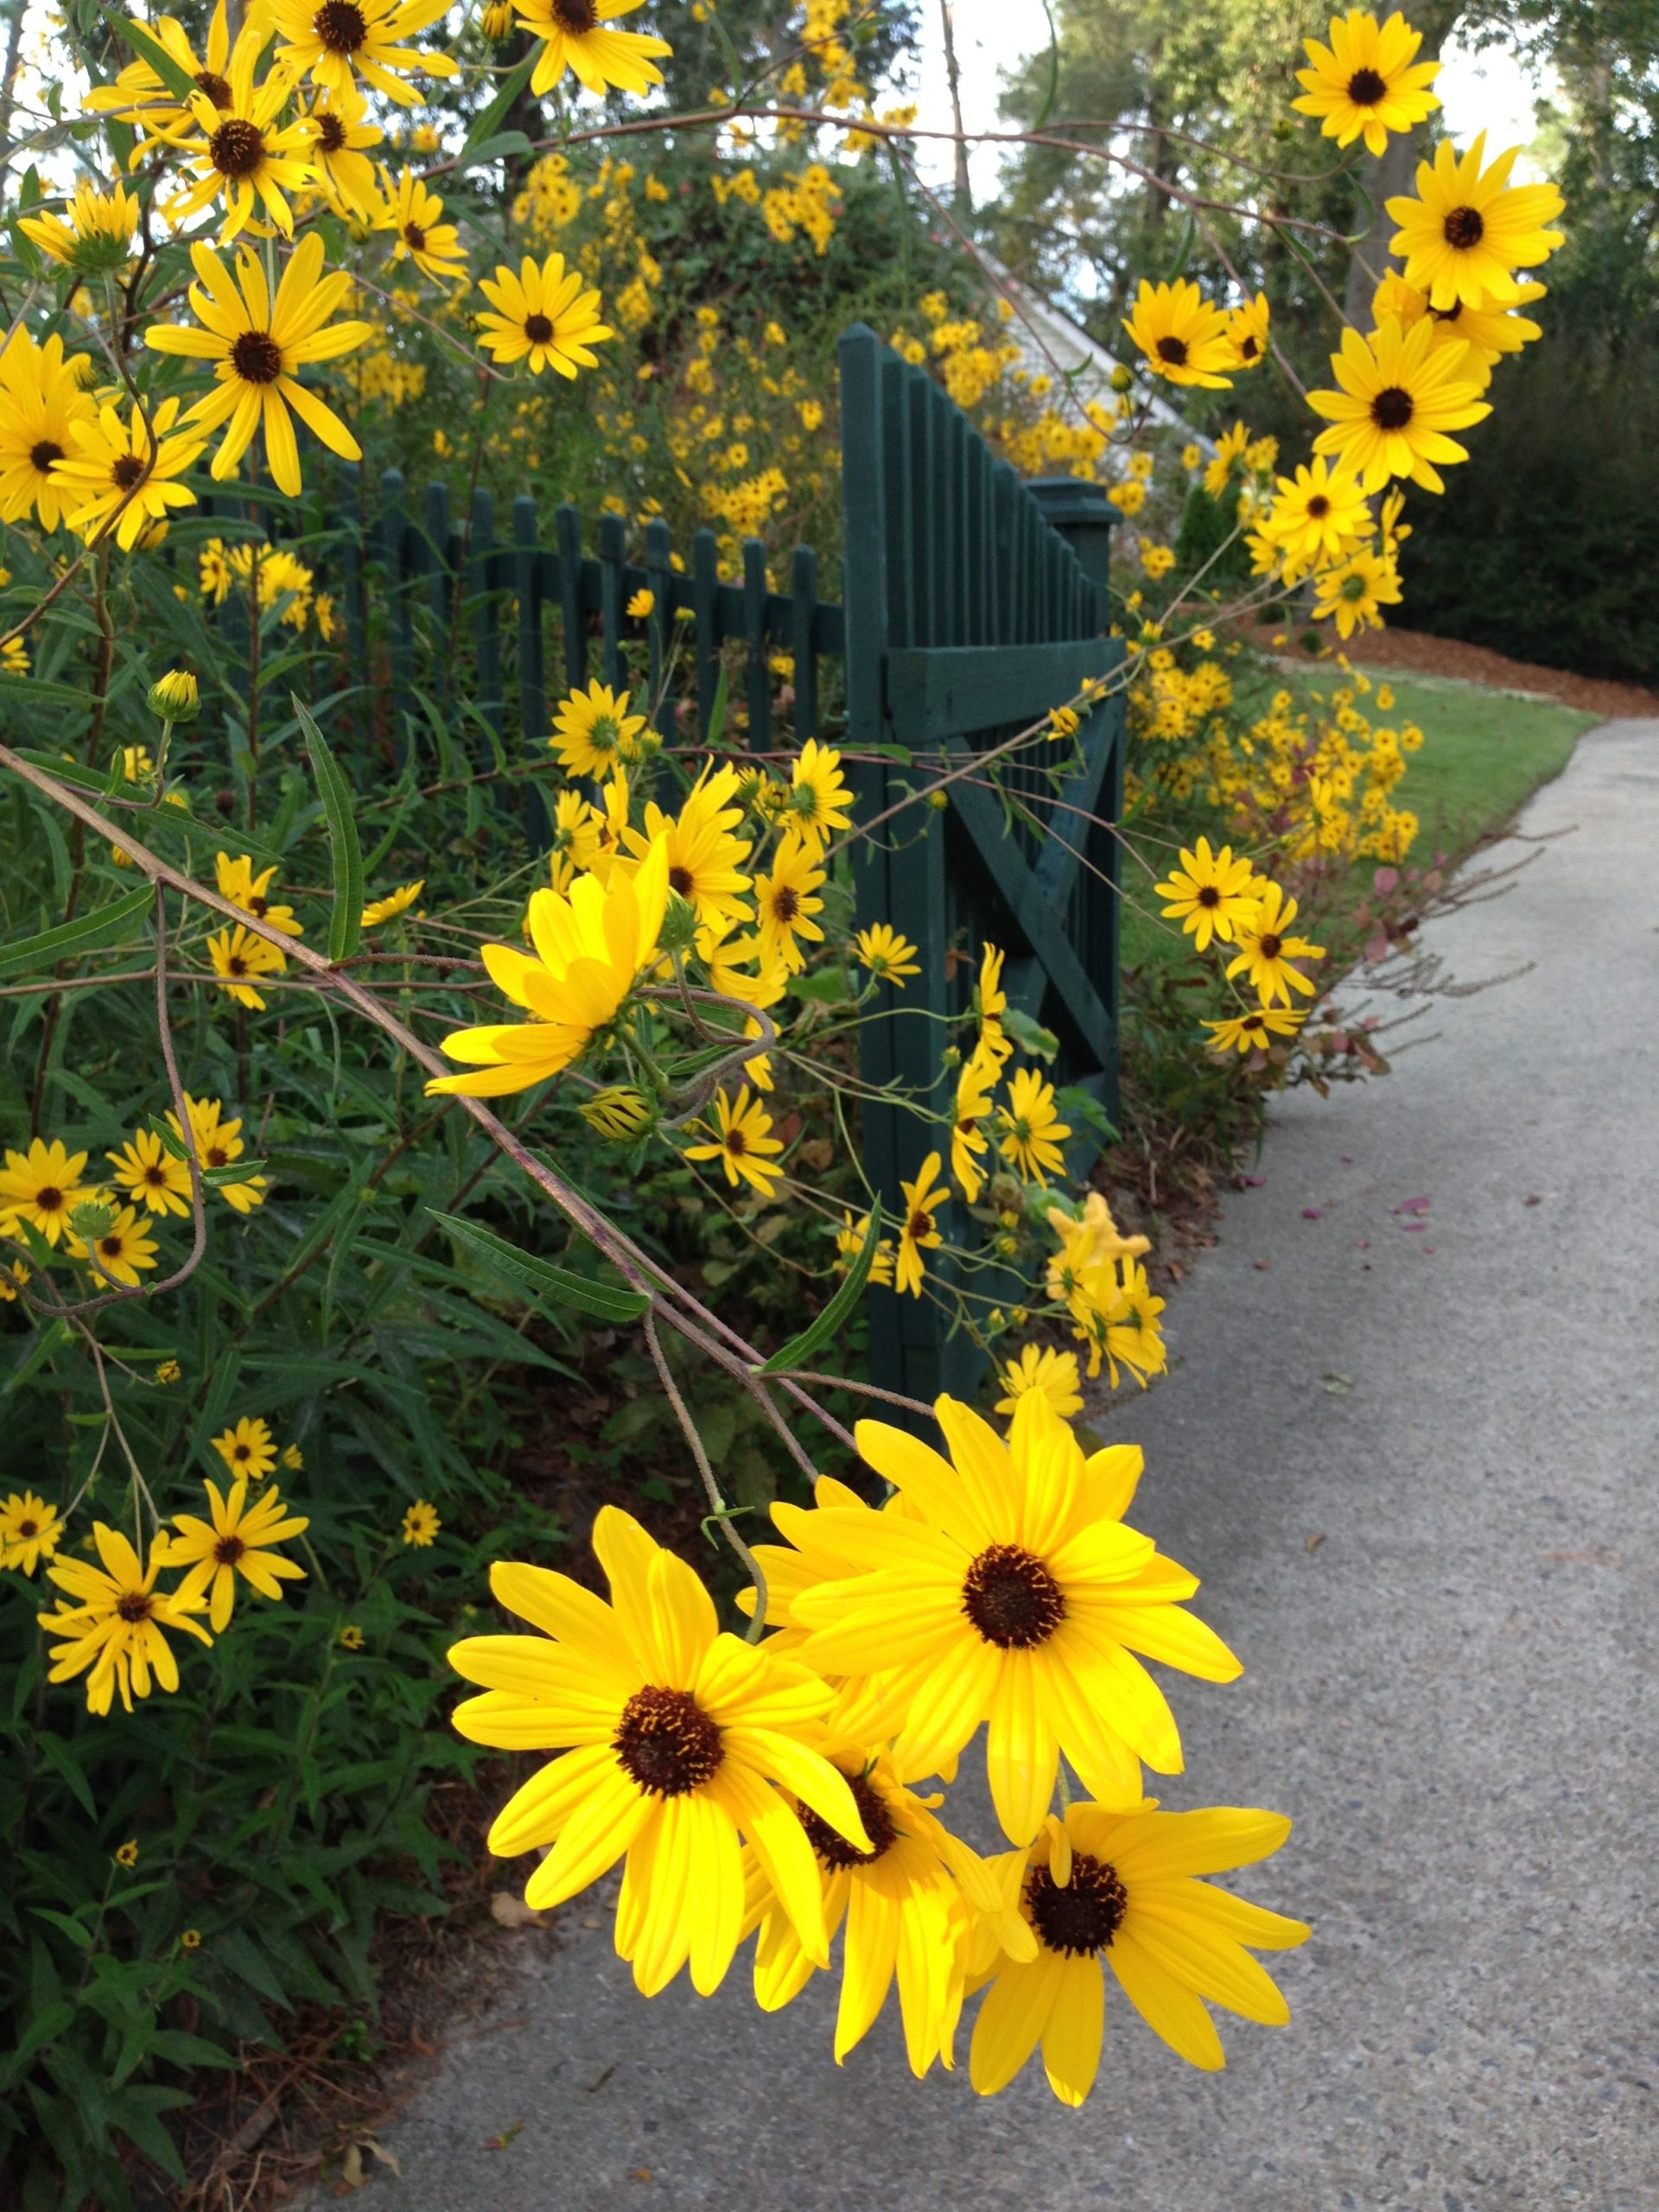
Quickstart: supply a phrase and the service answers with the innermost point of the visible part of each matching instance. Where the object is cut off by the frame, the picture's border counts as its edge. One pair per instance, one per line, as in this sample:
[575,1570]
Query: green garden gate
[973,604]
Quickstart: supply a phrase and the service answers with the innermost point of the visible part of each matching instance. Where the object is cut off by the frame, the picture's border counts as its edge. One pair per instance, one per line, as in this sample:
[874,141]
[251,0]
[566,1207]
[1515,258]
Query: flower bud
[1122,377]
[92,1217]
[617,1115]
[176,696]
[679,930]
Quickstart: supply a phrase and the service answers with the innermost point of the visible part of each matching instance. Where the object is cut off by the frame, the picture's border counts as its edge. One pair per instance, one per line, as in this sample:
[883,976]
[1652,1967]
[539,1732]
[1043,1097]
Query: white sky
[1493,92]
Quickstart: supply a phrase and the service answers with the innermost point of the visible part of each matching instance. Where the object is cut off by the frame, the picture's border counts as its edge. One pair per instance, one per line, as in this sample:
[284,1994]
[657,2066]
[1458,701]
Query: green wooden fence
[973,604]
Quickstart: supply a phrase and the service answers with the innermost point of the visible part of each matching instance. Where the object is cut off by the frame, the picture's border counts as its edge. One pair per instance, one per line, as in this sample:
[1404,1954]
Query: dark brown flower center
[27,1529]
[1463,228]
[49,1198]
[537,329]
[240,1454]
[217,1156]
[1392,407]
[44,453]
[331,134]
[112,1246]
[576,17]
[156,1175]
[736,1141]
[1248,348]
[1012,1599]
[237,964]
[133,1605]
[1208,896]
[679,878]
[1317,507]
[666,1742]
[1447,314]
[125,470]
[414,236]
[1172,350]
[257,357]
[339,26]
[786,905]
[237,148]
[228,1550]
[918,1225]
[1365,88]
[1253,1021]
[834,1851]
[1271,946]
[1082,1918]
[216,87]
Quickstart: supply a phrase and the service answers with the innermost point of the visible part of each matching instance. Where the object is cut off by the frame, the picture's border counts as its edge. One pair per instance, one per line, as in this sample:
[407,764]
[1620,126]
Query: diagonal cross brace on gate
[974,604]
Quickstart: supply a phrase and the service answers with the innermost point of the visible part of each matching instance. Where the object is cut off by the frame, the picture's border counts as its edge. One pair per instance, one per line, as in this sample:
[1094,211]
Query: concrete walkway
[1413,1453]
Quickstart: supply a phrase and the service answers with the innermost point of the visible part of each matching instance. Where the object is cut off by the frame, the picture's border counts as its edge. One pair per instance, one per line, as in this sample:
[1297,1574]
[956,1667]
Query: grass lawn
[1482,755]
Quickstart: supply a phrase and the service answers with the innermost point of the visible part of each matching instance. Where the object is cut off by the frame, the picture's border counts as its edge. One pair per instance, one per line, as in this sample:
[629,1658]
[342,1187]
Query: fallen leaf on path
[1337,1384]
[500,2142]
[1313,1213]
[1414,1206]
[1263,1265]
[1535,1200]
[1313,1542]
[512,1912]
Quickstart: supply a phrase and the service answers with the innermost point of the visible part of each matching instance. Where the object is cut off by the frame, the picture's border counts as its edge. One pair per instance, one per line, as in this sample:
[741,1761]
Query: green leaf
[63,1763]
[48,1341]
[1030,1036]
[492,149]
[337,806]
[145,44]
[542,1278]
[85,934]
[799,1350]
[717,712]
[485,122]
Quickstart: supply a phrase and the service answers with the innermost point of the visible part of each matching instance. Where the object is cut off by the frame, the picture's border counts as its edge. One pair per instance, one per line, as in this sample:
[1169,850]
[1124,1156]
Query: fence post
[533,667]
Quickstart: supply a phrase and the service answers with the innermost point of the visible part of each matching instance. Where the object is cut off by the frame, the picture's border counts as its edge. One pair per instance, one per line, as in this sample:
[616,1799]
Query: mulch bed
[1414,652]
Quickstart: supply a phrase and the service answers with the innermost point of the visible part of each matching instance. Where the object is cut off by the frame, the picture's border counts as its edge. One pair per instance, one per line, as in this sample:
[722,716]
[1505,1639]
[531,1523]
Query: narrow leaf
[85,934]
[346,921]
[799,1350]
[543,1278]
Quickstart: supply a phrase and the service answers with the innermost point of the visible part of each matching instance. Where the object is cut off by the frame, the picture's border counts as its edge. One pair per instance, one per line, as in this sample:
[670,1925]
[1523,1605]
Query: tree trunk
[963,193]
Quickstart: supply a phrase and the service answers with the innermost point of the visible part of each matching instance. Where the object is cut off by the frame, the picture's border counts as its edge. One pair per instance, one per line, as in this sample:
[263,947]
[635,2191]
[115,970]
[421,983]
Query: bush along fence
[975,603]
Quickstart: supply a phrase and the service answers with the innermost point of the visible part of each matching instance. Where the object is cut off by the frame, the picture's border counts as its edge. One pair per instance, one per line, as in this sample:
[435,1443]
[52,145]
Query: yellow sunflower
[116,1622]
[219,1144]
[241,960]
[41,404]
[993,1001]
[394,903]
[150,1175]
[1316,516]
[819,799]
[248,1449]
[1218,469]
[576,38]
[340,155]
[414,215]
[138,96]
[976,1082]
[745,1144]
[237,1540]
[105,473]
[1103,1887]
[889,956]
[122,1250]
[1368,81]
[1465,230]
[1267,950]
[590,947]
[1042,1368]
[1400,395]
[1357,590]
[31,1531]
[1210,893]
[674,1739]
[1182,335]
[902,1902]
[786,900]
[96,239]
[1247,332]
[1016,1597]
[1114,1315]
[593,730]
[341,40]
[41,1186]
[542,315]
[1029,1129]
[240,154]
[918,1232]
[420,1525]
[705,860]
[1492,332]
[1252,1032]
[238,882]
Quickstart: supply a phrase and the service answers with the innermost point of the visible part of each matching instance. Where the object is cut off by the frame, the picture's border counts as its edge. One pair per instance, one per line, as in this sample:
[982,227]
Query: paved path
[1453,1691]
